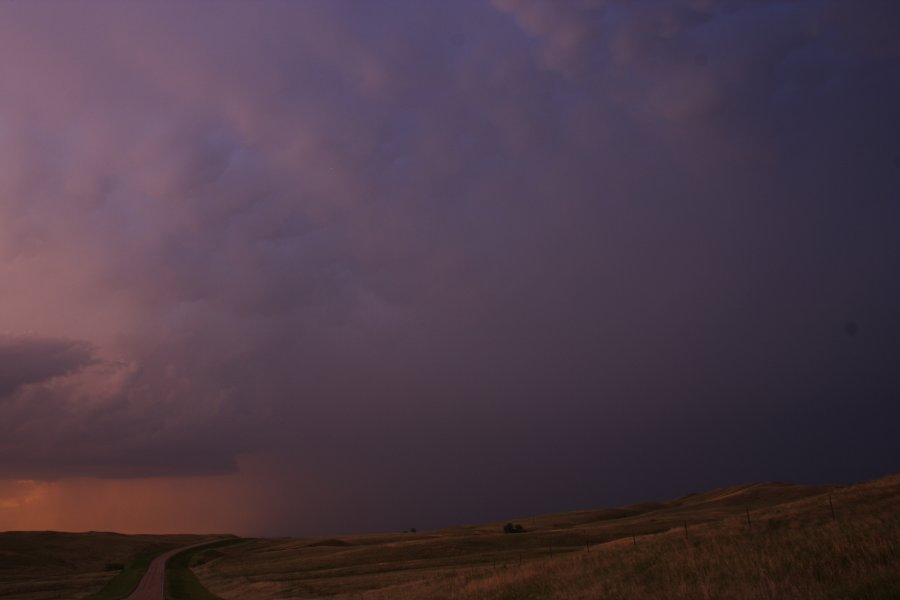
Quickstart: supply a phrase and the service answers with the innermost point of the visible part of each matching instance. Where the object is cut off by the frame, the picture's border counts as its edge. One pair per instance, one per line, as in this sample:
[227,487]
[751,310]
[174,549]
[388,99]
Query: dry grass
[48,565]
[793,549]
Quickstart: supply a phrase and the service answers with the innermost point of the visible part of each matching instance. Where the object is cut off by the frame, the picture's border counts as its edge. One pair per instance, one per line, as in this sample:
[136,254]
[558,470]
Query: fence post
[831,506]
[749,526]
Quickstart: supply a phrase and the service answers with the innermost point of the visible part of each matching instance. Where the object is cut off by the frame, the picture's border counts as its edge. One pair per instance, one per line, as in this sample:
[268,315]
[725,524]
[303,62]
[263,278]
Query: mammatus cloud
[415,247]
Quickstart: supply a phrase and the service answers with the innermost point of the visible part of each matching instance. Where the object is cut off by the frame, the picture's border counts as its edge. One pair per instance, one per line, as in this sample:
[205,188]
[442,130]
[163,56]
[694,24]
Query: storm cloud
[446,261]
[27,360]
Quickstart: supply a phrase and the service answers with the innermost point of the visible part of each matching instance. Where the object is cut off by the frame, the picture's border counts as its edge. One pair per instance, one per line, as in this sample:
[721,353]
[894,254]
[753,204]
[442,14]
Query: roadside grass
[181,583]
[697,547]
[123,584]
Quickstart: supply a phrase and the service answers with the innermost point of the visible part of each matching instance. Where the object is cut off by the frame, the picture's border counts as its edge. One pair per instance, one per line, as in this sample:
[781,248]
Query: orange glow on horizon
[232,503]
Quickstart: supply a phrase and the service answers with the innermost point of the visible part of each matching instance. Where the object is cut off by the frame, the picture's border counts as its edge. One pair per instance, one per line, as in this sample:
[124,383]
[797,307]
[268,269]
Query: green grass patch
[883,588]
[127,580]
[181,583]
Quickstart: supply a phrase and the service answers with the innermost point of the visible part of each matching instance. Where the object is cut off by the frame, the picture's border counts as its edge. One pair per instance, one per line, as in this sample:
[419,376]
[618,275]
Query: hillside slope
[753,541]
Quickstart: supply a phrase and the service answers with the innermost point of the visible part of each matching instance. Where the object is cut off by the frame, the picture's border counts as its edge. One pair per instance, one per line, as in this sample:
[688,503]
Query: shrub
[513,528]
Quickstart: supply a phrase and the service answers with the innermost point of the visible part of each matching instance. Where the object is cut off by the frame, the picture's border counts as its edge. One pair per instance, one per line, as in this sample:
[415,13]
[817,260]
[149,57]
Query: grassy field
[756,541]
[95,565]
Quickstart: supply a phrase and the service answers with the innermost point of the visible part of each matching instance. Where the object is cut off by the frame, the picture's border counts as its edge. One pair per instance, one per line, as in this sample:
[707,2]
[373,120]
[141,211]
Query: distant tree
[413,530]
[513,528]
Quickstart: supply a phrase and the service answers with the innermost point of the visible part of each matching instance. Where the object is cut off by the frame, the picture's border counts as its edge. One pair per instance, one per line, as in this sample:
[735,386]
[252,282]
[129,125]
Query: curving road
[153,583]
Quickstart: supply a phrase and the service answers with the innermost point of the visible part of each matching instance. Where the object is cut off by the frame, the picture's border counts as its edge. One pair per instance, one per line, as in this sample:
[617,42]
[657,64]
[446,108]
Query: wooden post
[633,538]
[831,505]
[749,526]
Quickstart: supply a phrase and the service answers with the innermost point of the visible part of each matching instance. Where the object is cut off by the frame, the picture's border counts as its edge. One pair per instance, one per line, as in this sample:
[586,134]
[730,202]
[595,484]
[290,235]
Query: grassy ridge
[181,584]
[800,542]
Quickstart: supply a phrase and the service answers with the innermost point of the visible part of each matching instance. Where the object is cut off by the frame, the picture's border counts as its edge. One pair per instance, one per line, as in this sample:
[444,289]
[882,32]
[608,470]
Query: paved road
[153,584]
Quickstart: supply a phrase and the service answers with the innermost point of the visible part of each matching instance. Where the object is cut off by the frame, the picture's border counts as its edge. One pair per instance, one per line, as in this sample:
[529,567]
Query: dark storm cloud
[552,253]
[26,360]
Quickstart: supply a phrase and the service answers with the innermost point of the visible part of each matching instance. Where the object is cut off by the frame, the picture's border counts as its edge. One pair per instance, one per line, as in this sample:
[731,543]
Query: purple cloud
[408,248]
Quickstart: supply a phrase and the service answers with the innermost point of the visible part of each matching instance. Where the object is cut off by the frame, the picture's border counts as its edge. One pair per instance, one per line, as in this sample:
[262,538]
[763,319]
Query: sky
[287,268]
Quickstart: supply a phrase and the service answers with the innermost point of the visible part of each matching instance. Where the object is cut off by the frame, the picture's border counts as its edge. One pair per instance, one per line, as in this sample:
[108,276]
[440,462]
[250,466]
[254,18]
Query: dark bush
[513,528]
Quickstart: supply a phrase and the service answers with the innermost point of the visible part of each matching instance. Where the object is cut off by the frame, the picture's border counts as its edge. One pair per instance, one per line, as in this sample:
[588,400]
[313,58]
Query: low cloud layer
[554,254]
[29,360]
